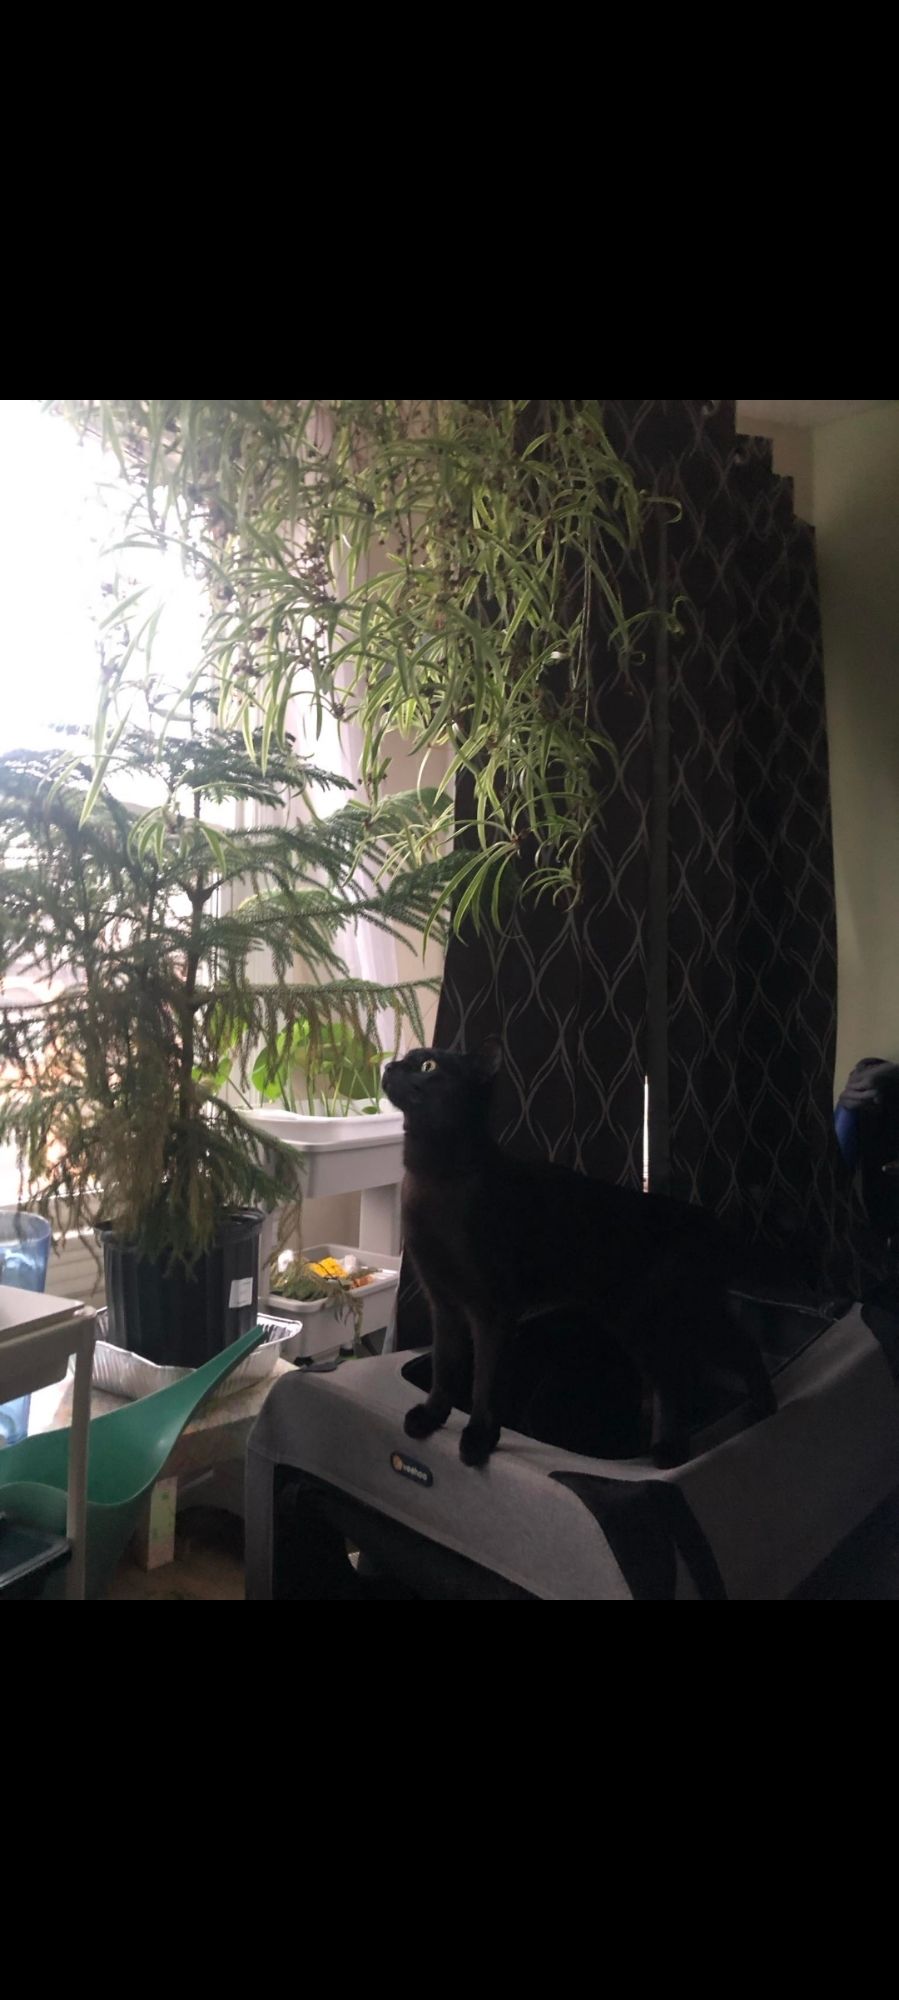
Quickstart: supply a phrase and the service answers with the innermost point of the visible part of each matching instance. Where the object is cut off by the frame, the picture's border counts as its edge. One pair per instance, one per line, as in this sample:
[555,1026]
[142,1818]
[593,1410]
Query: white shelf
[35,1340]
[340,1155]
[38,1332]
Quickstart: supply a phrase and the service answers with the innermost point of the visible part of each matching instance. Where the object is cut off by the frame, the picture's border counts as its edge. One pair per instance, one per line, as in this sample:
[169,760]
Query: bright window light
[62,504]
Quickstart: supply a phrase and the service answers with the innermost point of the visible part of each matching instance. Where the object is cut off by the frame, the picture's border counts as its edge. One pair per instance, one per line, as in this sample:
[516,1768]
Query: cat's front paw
[420,1421]
[477,1442]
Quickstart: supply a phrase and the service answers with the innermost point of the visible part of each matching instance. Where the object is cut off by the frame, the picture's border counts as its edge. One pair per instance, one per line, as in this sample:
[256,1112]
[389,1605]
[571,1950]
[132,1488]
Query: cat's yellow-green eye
[429,1064]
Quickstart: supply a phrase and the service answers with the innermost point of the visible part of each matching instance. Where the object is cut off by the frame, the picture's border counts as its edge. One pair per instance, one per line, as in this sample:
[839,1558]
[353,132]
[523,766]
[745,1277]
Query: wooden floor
[208,1562]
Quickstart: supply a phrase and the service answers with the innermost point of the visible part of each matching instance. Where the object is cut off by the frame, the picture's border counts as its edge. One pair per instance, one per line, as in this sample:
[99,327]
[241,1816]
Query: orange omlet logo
[411,1468]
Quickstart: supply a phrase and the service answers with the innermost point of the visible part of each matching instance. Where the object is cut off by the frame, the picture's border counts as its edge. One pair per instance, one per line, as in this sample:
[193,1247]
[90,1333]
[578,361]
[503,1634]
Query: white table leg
[268,1237]
[154,1540]
[76,1513]
[379,1219]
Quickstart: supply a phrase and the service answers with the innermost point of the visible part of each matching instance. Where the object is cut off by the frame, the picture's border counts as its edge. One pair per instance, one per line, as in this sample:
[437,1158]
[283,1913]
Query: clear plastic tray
[302,1308]
[382,1281]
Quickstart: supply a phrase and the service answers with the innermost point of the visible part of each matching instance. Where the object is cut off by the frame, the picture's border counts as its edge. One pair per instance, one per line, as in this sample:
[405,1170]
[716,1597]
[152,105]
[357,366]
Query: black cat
[493,1238]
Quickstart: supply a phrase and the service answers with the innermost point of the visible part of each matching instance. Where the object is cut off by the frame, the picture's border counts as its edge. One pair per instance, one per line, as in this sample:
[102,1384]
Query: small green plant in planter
[297,1279]
[343,1075]
[140,926]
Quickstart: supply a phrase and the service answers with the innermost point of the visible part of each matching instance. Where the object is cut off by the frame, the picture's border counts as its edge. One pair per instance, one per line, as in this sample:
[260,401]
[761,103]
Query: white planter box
[321,1126]
[321,1332]
[341,1155]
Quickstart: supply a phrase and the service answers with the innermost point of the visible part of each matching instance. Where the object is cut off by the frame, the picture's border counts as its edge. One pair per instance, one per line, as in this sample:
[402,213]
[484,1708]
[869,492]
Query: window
[63,508]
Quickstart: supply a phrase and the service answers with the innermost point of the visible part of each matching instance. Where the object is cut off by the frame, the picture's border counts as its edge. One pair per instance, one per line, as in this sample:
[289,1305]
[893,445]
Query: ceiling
[751,415]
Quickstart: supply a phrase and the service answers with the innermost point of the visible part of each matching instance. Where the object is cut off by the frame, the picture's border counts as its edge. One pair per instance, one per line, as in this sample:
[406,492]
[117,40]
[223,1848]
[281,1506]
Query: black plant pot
[181,1318]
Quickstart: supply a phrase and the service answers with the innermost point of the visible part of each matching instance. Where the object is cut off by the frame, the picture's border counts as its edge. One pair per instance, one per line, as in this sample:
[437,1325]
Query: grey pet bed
[754,1512]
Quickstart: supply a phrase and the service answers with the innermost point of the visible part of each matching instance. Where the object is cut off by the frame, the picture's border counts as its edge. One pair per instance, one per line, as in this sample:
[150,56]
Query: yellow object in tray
[328,1267]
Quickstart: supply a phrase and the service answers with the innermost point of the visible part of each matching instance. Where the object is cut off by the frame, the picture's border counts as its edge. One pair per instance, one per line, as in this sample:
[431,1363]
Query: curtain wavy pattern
[744,1043]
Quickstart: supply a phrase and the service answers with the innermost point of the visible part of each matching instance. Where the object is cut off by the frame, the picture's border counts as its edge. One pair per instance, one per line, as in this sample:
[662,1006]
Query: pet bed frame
[757,1508]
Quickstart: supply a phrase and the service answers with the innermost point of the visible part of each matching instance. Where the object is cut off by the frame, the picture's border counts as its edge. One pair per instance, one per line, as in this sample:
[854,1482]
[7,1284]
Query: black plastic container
[181,1318]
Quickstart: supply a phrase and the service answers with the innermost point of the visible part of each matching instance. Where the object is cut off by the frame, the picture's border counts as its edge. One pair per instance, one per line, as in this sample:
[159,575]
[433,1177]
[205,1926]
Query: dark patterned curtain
[749,923]
[703,952]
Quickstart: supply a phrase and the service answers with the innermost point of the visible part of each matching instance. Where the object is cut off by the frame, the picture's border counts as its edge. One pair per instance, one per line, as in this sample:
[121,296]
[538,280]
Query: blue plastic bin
[24,1253]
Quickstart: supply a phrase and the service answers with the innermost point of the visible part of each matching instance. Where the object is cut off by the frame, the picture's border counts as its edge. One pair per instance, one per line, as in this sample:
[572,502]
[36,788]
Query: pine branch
[112,1081]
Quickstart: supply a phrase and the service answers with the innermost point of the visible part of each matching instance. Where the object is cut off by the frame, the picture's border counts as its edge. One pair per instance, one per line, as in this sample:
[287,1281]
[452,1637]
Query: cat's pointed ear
[489,1058]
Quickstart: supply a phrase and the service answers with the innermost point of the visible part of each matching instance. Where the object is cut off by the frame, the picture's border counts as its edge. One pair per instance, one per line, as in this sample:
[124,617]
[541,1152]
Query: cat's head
[440,1091]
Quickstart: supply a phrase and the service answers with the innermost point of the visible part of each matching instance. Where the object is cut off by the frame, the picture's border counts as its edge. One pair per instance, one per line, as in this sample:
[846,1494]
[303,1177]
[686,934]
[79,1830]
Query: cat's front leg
[450,1359]
[482,1433]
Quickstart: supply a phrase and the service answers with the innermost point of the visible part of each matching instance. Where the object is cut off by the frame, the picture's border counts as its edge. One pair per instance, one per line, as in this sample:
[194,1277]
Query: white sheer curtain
[368,952]
[61,505]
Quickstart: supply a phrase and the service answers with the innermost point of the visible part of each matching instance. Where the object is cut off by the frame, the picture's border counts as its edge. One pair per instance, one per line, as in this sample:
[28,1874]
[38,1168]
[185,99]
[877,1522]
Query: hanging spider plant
[434,571]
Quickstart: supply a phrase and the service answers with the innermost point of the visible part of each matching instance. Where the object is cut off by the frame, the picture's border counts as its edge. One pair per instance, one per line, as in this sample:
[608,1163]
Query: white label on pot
[241,1292]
